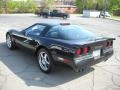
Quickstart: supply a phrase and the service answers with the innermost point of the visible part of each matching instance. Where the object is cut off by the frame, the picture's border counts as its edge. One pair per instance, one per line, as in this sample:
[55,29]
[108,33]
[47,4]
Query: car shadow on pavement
[25,67]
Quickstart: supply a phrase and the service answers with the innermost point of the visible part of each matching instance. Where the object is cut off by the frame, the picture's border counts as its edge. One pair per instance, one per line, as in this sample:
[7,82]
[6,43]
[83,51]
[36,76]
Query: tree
[94,4]
[86,4]
[21,6]
[114,4]
[3,5]
[115,7]
[80,5]
[0,4]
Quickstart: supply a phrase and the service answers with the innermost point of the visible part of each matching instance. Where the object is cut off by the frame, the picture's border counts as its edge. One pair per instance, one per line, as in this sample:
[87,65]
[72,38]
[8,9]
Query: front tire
[45,16]
[64,17]
[45,61]
[10,43]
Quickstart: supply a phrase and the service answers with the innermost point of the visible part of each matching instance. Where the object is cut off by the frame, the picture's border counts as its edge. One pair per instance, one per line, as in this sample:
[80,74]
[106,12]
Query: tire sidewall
[64,17]
[12,44]
[50,59]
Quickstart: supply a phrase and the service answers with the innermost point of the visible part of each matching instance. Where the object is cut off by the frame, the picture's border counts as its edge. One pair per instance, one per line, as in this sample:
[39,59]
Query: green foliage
[116,12]
[0,4]
[22,6]
[111,5]
[115,7]
[79,5]
[92,4]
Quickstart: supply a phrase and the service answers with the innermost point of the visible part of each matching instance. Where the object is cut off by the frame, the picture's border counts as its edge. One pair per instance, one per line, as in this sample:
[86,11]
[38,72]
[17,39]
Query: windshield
[74,32]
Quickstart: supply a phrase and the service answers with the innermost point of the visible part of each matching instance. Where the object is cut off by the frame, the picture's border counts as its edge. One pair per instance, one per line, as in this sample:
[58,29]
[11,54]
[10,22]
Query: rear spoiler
[104,39]
[111,38]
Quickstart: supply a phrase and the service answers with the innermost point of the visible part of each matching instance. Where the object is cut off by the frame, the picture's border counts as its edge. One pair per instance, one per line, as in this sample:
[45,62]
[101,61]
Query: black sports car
[62,42]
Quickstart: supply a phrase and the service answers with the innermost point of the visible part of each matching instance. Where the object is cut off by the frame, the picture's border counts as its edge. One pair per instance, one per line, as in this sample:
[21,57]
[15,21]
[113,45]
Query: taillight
[110,43]
[86,50]
[65,60]
[107,44]
[79,51]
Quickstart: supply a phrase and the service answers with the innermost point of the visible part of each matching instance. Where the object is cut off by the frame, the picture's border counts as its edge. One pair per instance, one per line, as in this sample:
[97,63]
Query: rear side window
[74,32]
[53,33]
[69,32]
[35,30]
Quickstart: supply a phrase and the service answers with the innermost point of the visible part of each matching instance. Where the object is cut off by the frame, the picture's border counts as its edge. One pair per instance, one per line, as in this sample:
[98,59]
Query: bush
[28,6]
[21,11]
[116,12]
[1,11]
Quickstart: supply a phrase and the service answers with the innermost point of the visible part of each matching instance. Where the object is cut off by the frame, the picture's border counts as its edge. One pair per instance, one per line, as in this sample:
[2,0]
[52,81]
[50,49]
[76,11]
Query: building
[65,2]
[64,5]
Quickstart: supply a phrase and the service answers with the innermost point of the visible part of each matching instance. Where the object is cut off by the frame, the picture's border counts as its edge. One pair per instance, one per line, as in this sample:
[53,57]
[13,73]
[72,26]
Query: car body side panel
[26,43]
[63,48]
[57,47]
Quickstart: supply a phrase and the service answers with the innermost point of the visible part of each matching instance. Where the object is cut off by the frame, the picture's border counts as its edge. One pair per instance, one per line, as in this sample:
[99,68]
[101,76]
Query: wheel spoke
[45,66]
[8,41]
[44,60]
[41,55]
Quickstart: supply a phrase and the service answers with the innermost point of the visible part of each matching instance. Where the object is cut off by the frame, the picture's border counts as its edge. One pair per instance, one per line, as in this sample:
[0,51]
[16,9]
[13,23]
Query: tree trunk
[5,6]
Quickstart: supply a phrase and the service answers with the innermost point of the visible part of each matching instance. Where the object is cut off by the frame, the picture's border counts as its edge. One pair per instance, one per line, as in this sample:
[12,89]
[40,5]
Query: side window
[59,11]
[35,30]
[53,33]
[55,11]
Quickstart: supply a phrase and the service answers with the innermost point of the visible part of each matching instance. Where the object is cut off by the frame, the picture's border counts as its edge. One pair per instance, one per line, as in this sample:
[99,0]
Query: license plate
[96,54]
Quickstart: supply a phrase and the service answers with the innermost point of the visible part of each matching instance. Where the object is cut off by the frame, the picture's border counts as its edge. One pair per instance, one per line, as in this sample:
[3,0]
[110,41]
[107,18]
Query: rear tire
[10,43]
[45,60]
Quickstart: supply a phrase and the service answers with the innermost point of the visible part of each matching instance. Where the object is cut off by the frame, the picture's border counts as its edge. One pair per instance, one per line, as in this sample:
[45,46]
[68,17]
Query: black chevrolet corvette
[61,42]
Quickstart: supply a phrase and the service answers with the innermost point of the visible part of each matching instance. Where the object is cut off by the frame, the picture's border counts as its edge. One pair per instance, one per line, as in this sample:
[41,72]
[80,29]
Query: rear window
[70,32]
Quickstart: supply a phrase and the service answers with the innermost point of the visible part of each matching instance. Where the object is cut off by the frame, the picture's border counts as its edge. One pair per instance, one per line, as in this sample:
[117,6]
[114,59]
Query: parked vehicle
[104,14]
[61,42]
[54,13]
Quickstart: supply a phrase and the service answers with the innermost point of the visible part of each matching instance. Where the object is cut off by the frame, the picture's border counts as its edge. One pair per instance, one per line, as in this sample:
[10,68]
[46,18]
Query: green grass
[115,17]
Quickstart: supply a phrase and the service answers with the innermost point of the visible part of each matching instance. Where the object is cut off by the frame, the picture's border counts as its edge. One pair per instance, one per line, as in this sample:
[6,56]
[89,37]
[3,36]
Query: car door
[54,13]
[29,39]
[59,13]
[32,35]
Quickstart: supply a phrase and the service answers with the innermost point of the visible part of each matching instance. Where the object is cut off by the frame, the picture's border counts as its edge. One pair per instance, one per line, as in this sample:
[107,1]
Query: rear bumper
[77,63]
[89,62]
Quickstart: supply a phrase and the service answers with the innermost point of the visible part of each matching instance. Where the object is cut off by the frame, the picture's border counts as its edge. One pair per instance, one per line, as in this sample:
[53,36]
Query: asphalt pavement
[20,70]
